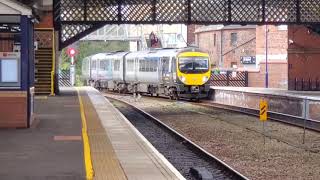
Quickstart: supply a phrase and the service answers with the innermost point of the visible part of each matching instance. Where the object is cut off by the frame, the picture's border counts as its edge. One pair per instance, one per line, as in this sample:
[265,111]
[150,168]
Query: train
[176,73]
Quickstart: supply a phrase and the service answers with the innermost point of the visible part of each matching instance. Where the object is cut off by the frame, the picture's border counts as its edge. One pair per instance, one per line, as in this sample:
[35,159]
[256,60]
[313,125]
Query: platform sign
[263,110]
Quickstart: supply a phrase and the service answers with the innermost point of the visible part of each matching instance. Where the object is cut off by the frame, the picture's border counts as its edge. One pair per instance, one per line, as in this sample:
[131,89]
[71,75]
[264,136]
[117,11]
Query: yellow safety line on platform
[86,145]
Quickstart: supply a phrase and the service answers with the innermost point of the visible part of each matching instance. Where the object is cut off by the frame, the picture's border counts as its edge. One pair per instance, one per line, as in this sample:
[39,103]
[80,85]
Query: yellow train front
[193,73]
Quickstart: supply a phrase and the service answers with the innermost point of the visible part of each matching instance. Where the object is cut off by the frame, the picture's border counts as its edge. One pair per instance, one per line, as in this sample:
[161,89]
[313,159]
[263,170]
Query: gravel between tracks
[237,139]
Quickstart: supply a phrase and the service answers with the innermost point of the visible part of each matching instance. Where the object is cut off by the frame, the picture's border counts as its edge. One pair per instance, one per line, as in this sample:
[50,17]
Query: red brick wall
[6,45]
[46,21]
[303,54]
[205,41]
[277,57]
[277,40]
[190,34]
[231,54]
[13,109]
[245,46]
[277,72]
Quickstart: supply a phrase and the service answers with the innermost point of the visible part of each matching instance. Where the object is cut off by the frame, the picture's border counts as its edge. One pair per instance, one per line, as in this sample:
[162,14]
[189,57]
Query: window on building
[214,39]
[234,64]
[234,39]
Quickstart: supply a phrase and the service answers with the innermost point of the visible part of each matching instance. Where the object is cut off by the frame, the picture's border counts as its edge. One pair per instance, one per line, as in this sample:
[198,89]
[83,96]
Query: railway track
[283,118]
[190,159]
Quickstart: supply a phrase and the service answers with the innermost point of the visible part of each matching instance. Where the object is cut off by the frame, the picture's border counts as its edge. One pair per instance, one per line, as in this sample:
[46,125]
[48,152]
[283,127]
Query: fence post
[246,74]
[310,85]
[228,78]
[302,84]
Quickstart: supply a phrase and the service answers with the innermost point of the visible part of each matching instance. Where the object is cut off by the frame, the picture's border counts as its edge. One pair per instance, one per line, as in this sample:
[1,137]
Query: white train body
[153,72]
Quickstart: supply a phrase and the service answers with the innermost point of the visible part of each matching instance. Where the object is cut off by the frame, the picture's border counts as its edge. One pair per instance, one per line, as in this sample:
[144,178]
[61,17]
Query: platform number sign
[263,110]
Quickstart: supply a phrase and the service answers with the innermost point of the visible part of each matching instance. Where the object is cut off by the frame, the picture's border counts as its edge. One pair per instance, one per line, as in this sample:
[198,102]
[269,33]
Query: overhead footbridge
[75,19]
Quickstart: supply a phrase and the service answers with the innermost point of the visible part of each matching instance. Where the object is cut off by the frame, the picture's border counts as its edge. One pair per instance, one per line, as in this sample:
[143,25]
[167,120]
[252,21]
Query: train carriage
[172,72]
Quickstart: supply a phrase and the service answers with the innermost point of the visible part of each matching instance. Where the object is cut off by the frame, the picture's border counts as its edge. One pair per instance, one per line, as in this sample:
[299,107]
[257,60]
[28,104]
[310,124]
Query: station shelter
[16,65]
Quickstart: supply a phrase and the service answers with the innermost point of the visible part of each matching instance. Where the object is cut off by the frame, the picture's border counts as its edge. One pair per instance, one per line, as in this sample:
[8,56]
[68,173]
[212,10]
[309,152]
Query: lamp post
[267,73]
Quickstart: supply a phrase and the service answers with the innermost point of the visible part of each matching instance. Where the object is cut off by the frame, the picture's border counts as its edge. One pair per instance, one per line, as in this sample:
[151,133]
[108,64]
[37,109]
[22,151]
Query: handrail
[53,58]
[53,64]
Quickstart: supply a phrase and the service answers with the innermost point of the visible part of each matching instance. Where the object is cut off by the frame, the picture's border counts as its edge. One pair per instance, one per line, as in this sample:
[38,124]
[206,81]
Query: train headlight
[205,79]
[183,79]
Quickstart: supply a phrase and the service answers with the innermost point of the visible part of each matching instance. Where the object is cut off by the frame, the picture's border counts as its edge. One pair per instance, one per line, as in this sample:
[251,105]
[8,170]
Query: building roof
[222,27]
[13,7]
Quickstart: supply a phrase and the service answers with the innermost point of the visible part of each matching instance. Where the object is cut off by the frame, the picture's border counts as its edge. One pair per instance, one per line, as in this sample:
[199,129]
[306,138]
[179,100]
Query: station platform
[80,135]
[302,104]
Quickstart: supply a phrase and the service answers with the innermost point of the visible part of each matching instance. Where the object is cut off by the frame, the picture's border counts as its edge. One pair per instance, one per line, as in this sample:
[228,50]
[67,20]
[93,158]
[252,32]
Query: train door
[165,73]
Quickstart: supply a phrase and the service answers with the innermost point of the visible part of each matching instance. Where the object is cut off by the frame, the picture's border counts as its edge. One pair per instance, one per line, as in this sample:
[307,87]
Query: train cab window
[94,65]
[116,66]
[130,65]
[104,65]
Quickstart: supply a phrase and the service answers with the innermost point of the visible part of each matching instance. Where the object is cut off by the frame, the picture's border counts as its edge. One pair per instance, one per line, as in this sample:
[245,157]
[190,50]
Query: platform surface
[313,95]
[51,149]
[115,142]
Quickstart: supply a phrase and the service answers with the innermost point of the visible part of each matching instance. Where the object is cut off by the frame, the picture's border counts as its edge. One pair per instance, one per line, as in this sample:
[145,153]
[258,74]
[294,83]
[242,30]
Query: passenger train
[177,73]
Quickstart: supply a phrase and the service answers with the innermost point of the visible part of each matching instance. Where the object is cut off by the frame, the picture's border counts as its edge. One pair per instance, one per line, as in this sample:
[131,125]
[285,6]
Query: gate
[64,78]
[230,78]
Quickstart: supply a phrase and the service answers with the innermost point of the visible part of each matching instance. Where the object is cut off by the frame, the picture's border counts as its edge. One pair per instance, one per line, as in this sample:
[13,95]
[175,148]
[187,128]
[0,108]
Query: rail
[185,140]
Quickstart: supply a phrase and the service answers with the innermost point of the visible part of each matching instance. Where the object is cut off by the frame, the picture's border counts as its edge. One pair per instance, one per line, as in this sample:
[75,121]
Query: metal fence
[64,78]
[301,84]
[230,78]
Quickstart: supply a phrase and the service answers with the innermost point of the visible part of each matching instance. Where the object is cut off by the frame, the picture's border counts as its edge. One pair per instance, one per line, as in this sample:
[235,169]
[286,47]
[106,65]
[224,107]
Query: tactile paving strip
[104,160]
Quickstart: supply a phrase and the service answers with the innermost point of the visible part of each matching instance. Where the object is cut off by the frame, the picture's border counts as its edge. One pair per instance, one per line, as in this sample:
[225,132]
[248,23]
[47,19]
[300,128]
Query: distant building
[227,44]
[243,48]
[138,35]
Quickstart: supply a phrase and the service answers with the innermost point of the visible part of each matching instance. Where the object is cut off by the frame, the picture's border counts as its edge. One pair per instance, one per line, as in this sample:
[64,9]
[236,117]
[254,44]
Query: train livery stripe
[85,138]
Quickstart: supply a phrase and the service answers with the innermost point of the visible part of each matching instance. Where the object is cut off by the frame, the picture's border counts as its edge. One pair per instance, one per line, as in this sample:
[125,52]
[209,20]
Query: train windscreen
[193,65]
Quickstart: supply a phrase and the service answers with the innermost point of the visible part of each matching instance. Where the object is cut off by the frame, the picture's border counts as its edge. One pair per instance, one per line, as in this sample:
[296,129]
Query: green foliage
[88,48]
[65,60]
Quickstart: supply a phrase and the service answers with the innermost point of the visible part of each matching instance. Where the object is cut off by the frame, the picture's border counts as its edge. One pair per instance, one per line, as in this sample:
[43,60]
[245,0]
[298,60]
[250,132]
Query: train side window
[116,66]
[104,65]
[147,65]
[130,65]
[165,64]
[173,65]
[142,65]
[94,65]
[155,65]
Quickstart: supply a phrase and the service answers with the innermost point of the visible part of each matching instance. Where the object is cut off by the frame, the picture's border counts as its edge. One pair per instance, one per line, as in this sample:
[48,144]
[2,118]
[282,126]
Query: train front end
[193,72]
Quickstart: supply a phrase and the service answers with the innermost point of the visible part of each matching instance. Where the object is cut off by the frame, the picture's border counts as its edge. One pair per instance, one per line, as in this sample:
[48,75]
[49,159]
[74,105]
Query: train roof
[170,52]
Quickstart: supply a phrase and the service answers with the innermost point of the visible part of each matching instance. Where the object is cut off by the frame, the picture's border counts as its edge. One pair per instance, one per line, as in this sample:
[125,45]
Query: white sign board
[9,70]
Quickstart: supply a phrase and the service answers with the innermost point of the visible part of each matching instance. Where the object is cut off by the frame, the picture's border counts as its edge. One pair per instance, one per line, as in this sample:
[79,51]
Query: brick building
[227,44]
[244,47]
[303,58]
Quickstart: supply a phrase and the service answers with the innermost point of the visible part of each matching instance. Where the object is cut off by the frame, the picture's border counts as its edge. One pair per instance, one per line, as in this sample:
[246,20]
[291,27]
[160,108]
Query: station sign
[248,60]
[9,55]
